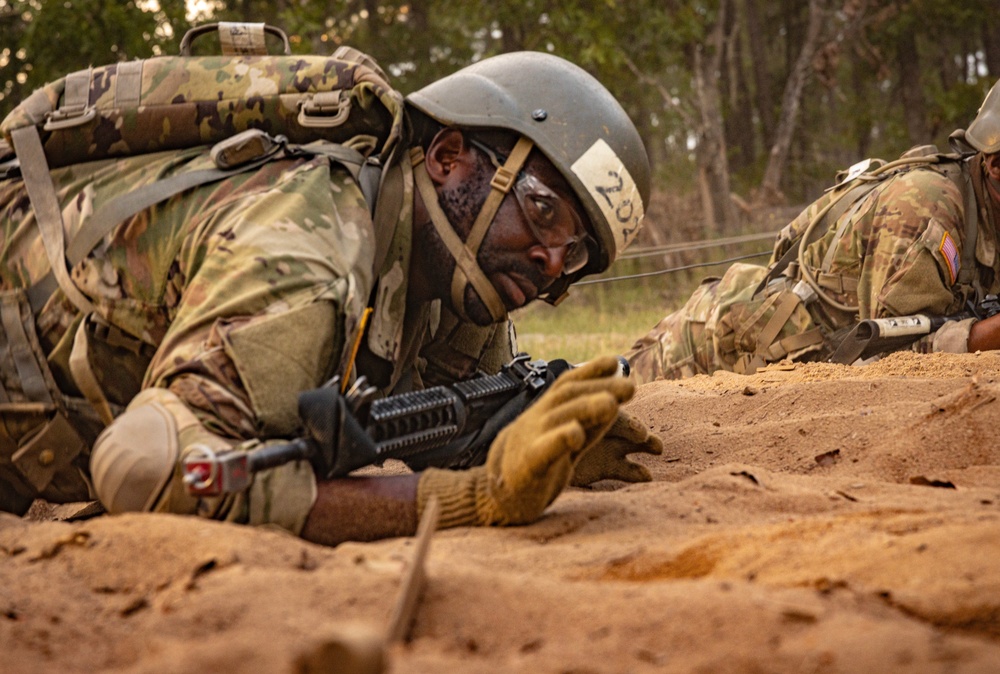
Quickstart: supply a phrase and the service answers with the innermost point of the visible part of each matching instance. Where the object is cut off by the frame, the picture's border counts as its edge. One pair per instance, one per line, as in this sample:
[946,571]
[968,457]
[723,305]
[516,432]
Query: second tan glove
[608,458]
[532,459]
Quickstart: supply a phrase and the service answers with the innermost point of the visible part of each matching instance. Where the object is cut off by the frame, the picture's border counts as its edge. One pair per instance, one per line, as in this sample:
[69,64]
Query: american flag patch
[950,252]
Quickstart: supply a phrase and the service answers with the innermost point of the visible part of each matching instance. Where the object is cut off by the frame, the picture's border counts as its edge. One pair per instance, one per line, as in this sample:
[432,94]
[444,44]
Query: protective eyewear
[552,221]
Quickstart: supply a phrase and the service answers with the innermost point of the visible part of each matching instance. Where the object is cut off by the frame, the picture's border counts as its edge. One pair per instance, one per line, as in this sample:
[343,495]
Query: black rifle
[444,426]
[873,336]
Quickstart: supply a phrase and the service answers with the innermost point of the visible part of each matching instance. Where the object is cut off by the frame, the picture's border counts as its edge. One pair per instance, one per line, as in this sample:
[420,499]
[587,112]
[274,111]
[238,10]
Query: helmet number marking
[623,208]
[612,188]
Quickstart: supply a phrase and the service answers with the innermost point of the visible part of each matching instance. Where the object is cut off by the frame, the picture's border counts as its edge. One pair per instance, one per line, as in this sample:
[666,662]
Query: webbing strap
[76,95]
[465,260]
[84,377]
[128,84]
[389,202]
[782,348]
[39,293]
[121,208]
[754,317]
[748,363]
[4,397]
[788,303]
[129,204]
[48,216]
[838,283]
[967,275]
[37,107]
[501,184]
[28,373]
[242,39]
[367,174]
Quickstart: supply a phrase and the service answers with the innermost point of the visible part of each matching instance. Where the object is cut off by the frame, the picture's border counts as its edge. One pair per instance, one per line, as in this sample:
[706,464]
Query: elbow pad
[135,457]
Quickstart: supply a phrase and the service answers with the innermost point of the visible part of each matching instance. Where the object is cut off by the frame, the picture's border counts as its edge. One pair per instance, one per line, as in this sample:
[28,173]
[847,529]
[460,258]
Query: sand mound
[815,518]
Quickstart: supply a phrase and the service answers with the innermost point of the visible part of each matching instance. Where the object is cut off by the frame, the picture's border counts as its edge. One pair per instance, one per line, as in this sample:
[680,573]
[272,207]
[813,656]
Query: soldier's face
[520,261]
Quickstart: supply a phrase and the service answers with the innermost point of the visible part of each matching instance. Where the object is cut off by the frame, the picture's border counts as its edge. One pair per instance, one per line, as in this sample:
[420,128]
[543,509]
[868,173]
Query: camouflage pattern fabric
[246,292]
[895,252]
[175,102]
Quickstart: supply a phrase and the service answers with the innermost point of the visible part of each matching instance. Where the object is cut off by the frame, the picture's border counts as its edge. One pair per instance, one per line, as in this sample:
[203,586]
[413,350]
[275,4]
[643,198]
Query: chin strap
[467,269]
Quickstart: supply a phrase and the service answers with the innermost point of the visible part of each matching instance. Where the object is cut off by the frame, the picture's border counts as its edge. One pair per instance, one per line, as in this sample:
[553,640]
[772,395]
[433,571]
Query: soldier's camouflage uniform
[897,251]
[238,295]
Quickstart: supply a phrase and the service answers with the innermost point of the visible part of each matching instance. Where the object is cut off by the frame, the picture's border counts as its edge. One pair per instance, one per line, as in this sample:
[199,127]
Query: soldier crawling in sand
[169,283]
[917,236]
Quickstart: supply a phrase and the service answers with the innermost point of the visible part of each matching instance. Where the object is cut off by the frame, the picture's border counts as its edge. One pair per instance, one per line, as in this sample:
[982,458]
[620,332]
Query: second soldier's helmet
[984,132]
[568,115]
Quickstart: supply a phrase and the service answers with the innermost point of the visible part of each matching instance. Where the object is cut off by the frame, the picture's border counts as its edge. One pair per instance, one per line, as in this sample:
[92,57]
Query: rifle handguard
[444,426]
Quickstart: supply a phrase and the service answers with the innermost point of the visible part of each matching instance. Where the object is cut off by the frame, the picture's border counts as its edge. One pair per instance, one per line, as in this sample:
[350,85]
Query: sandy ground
[815,518]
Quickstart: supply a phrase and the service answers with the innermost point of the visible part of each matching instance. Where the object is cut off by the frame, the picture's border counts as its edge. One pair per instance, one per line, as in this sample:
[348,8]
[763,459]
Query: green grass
[598,319]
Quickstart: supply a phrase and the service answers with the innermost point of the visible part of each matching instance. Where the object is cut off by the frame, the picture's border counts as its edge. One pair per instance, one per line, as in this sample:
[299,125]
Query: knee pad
[134,458]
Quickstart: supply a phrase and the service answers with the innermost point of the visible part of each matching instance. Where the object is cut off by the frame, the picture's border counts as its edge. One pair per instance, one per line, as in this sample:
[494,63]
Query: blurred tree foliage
[882,75]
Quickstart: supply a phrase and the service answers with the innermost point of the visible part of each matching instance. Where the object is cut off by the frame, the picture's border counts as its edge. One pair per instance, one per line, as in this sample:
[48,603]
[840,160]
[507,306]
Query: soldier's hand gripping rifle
[873,336]
[444,426]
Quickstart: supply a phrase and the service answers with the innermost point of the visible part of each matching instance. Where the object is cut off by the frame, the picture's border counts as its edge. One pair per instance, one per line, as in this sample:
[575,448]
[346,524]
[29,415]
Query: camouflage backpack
[172,102]
[245,102]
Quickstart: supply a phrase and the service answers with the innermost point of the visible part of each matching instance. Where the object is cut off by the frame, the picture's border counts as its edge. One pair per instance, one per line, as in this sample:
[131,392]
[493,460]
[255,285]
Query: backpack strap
[10,167]
[48,215]
[868,180]
[366,172]
[972,198]
[768,348]
[812,232]
[30,376]
[120,209]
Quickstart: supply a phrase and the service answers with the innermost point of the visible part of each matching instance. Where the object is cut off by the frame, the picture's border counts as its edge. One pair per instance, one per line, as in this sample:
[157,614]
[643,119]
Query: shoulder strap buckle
[326,109]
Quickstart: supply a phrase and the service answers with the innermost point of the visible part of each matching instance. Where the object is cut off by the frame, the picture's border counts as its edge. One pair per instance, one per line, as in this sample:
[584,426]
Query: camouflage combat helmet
[573,120]
[984,132]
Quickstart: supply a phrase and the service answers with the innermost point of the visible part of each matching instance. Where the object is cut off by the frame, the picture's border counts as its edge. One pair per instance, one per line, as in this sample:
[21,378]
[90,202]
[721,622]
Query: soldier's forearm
[985,334]
[363,509]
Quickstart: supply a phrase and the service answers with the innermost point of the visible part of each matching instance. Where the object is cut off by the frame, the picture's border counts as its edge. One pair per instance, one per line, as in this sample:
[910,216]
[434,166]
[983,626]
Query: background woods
[747,107]
[761,99]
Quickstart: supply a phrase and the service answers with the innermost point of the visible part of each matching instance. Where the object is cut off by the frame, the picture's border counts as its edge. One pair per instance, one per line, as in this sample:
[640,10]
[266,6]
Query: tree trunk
[791,101]
[862,119]
[710,153]
[740,130]
[991,40]
[373,23]
[764,101]
[911,90]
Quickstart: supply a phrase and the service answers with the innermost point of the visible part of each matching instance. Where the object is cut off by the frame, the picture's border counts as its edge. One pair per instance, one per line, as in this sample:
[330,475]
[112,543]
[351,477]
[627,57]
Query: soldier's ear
[446,152]
[993,165]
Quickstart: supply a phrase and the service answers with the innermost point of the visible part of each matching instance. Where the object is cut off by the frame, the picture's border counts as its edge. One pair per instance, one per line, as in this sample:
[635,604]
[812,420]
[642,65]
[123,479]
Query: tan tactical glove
[608,458]
[532,459]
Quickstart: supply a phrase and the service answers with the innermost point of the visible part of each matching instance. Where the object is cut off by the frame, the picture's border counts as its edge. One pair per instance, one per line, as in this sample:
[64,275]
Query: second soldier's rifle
[444,426]
[874,336]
